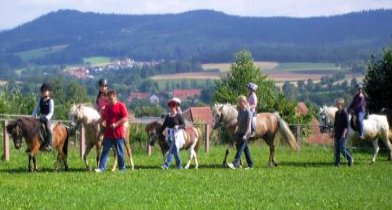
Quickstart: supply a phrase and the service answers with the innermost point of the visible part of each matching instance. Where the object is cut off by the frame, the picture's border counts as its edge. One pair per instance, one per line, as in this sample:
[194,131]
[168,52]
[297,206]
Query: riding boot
[49,137]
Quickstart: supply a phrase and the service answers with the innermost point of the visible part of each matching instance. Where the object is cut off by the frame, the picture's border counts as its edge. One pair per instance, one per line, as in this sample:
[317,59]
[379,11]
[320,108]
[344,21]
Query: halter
[326,126]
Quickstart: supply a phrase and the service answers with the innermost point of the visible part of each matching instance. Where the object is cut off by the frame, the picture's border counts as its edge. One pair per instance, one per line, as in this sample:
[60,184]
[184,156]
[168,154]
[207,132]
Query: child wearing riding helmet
[357,107]
[252,104]
[102,101]
[173,122]
[45,109]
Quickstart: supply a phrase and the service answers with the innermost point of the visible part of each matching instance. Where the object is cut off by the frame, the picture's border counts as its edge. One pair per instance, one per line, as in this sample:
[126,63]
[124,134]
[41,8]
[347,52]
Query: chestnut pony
[267,126]
[29,129]
[192,137]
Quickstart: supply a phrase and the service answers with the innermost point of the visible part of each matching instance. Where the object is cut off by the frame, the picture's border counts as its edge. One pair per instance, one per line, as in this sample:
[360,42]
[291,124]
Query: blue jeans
[173,150]
[118,146]
[242,146]
[360,116]
[340,148]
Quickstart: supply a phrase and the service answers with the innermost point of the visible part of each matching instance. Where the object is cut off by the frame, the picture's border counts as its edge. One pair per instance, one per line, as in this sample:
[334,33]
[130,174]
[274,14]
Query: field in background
[279,72]
[39,53]
[97,61]
[303,180]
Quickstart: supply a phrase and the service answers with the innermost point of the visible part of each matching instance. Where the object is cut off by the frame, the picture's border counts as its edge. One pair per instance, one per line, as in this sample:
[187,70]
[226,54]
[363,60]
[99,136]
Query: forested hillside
[67,36]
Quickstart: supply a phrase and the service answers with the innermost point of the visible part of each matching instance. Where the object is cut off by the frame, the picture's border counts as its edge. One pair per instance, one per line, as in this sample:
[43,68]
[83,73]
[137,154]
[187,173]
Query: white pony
[87,116]
[375,127]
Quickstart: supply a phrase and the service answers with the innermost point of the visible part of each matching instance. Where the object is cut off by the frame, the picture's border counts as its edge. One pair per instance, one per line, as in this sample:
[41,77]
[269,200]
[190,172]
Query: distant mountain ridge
[204,35]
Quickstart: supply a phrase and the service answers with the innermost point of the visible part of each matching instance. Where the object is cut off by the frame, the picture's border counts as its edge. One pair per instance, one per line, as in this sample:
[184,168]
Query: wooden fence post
[6,142]
[207,130]
[82,141]
[149,149]
[298,135]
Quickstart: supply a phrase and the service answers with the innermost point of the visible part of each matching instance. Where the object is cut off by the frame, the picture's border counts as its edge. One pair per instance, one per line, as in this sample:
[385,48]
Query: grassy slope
[39,53]
[304,180]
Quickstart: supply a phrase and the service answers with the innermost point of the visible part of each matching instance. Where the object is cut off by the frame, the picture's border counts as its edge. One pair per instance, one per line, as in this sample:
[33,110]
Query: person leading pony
[173,121]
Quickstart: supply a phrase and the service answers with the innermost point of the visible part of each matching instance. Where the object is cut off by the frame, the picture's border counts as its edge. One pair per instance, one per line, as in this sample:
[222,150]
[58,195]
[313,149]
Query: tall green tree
[243,71]
[378,81]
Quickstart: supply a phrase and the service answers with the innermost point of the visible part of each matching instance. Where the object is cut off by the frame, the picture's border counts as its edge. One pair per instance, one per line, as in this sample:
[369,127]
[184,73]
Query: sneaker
[98,170]
[248,168]
[231,165]
[164,167]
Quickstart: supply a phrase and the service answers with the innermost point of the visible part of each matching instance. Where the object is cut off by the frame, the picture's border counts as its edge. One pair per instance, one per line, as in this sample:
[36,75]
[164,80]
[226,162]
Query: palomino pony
[87,116]
[375,127]
[29,129]
[192,137]
[267,126]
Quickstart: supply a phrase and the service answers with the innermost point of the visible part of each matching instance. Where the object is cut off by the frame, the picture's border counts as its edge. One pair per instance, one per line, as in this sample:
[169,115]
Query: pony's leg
[115,159]
[190,158]
[272,153]
[388,144]
[88,149]
[376,149]
[29,165]
[98,149]
[35,164]
[196,162]
[227,154]
[129,152]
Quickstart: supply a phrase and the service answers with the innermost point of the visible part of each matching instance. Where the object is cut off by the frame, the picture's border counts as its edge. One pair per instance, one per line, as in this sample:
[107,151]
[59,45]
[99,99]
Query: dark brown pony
[29,129]
[267,126]
[192,137]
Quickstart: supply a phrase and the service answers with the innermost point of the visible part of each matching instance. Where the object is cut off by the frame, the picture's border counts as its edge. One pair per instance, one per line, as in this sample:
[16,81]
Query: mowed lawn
[303,180]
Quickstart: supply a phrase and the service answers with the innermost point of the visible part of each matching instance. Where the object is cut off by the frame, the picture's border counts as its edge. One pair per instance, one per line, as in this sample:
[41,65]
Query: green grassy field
[303,180]
[97,61]
[39,53]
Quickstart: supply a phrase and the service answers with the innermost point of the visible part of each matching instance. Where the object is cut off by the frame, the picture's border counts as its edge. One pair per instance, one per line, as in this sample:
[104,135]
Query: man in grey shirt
[243,132]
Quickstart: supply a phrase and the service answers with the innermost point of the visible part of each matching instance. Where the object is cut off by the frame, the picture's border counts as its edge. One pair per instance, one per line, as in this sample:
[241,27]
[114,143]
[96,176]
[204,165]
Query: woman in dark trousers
[340,133]
[242,134]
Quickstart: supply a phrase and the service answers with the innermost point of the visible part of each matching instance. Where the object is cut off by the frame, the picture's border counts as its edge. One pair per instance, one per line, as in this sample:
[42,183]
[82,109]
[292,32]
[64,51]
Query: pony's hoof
[89,169]
[196,167]
[186,167]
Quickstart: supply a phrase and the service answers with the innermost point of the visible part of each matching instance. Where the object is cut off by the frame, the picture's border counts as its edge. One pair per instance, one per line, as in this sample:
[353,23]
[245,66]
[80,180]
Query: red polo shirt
[112,114]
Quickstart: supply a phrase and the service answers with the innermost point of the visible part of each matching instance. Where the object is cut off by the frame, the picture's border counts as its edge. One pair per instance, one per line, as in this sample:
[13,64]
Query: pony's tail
[286,132]
[65,146]
[199,140]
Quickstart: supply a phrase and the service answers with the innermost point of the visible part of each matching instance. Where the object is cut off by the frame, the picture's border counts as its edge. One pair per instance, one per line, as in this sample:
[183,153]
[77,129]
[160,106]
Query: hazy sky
[15,12]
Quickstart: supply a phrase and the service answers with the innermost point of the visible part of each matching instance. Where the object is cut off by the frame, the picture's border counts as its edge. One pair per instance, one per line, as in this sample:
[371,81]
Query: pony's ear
[220,108]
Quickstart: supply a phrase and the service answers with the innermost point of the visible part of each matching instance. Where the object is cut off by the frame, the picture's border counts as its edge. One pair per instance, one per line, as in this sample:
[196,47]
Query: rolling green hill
[203,35]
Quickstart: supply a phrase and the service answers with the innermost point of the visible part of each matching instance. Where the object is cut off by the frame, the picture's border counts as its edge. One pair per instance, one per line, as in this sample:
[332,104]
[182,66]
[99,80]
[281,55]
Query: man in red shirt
[115,115]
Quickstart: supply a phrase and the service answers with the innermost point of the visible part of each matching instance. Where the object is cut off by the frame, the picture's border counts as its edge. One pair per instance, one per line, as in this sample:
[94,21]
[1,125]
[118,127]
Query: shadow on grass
[23,170]
[307,164]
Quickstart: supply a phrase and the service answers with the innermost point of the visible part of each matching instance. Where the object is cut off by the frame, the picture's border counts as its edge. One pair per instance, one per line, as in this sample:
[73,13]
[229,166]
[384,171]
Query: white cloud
[15,12]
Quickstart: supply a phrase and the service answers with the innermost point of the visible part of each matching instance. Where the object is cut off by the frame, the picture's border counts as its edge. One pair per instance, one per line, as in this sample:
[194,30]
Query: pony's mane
[228,111]
[153,125]
[88,112]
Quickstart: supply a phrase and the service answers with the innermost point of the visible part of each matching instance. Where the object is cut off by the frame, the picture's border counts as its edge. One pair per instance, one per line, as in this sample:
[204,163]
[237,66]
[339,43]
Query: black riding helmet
[103,82]
[46,86]
[359,86]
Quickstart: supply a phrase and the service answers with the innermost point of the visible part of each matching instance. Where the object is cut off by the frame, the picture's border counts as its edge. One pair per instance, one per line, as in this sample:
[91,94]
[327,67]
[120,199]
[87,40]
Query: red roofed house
[186,93]
[198,114]
[138,95]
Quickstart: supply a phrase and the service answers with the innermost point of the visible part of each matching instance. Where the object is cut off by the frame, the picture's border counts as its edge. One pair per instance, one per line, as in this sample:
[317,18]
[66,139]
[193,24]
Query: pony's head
[326,118]
[223,113]
[75,115]
[217,115]
[152,132]
[15,130]
[80,113]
